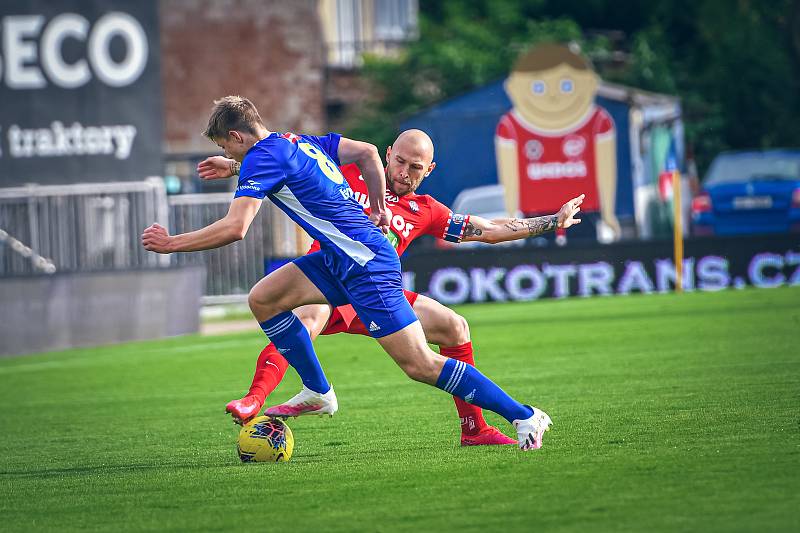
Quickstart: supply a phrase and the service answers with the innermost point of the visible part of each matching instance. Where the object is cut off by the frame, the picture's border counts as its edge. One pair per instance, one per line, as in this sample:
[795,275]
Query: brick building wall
[270,51]
[345,91]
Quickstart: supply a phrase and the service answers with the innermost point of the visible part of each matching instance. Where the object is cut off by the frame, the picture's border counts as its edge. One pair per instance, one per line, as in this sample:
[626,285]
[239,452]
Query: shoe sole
[465,444]
[284,416]
[239,421]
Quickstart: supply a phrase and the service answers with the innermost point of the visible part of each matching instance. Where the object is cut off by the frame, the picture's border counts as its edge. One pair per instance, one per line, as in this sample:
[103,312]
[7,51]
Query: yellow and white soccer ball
[265,439]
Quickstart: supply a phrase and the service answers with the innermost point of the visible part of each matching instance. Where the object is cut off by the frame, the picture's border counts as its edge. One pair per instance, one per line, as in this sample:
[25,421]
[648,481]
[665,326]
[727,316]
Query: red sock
[471,415]
[270,368]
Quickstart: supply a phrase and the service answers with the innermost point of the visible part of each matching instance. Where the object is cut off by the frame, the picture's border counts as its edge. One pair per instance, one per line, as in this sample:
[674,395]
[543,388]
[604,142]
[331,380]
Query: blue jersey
[300,174]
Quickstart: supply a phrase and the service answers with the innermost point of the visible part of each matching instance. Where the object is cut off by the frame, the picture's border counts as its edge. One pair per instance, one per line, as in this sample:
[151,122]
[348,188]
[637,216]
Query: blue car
[749,192]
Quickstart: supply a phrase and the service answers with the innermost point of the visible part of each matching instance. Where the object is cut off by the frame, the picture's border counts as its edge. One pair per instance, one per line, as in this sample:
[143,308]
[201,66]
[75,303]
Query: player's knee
[422,369]
[460,330]
[456,331]
[253,300]
[416,372]
[260,304]
[312,318]
[308,319]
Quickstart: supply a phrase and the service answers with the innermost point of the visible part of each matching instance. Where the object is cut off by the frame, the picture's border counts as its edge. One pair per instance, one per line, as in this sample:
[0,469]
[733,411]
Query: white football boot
[306,402]
[531,430]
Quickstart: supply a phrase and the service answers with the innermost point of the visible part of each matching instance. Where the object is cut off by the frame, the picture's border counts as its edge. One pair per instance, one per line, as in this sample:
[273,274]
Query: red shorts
[345,320]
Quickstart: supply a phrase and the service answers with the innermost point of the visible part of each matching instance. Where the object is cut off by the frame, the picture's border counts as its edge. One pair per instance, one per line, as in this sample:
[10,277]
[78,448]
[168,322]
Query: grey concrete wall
[88,309]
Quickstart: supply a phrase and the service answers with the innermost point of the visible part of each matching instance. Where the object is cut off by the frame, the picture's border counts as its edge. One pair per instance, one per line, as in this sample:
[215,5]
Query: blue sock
[466,382]
[292,341]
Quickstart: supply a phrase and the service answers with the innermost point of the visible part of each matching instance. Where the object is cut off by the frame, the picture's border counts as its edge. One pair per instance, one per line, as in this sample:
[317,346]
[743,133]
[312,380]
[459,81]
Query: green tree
[734,65]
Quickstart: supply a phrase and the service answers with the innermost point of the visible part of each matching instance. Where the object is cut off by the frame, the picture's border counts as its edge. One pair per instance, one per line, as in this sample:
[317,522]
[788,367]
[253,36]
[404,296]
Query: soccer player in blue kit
[356,263]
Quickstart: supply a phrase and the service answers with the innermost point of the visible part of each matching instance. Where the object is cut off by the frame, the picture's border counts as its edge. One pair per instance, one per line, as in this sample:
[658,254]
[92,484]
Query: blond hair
[232,113]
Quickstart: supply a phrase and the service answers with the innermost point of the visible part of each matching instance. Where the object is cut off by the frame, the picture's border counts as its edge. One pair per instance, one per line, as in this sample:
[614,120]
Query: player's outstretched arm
[231,228]
[217,167]
[365,156]
[510,229]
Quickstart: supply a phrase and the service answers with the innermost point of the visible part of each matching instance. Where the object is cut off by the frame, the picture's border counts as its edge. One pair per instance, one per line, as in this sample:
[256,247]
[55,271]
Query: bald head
[416,142]
[408,161]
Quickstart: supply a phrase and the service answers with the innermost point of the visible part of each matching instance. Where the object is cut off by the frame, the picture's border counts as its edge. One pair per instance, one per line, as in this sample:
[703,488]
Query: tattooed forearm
[472,231]
[539,225]
[515,224]
[535,226]
[235,167]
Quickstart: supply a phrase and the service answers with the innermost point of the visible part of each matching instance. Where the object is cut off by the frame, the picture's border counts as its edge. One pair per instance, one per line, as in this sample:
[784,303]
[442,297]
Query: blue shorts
[375,290]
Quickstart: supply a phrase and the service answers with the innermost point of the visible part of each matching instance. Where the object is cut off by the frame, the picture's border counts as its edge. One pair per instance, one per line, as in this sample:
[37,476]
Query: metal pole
[678,229]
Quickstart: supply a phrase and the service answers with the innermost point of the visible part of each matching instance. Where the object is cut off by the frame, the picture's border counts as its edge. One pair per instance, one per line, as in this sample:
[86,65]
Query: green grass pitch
[671,413]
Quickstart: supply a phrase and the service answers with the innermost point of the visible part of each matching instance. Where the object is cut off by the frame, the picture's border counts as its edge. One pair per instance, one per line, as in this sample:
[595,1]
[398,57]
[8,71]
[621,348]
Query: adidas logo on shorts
[373,326]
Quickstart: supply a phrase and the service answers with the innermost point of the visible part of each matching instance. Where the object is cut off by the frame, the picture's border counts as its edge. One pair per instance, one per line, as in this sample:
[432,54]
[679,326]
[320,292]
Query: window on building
[353,27]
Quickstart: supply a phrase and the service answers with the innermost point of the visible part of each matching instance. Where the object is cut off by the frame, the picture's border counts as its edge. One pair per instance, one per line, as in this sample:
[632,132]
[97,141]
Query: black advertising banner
[518,274]
[80,91]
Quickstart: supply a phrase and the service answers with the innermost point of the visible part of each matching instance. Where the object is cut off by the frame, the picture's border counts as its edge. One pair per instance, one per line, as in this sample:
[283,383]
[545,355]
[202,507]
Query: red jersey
[554,165]
[410,216]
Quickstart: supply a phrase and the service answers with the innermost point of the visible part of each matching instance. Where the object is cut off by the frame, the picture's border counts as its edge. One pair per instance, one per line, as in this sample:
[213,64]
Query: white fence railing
[84,226]
[98,227]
